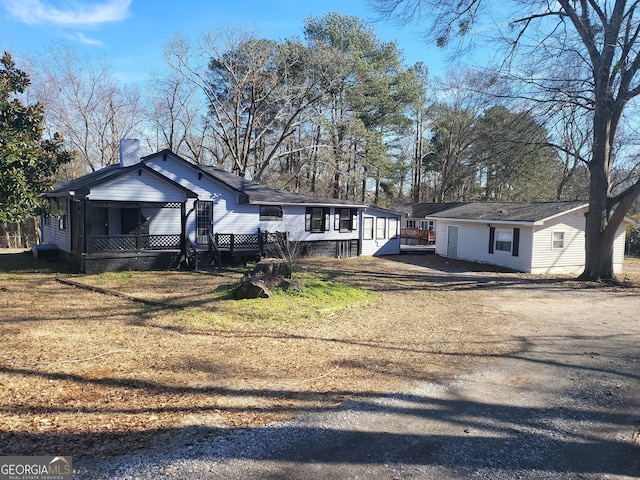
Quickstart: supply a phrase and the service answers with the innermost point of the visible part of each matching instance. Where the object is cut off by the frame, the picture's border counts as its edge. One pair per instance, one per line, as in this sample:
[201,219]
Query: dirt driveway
[565,404]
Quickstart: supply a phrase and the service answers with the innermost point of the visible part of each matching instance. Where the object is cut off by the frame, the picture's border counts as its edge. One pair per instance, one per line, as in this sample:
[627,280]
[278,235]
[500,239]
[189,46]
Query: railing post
[231,241]
[260,242]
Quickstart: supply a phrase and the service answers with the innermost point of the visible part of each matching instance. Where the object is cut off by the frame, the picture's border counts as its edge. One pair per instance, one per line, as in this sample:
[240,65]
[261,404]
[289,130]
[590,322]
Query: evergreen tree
[27,162]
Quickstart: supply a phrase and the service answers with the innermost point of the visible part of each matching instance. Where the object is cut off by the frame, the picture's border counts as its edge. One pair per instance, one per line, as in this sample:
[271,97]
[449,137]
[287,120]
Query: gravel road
[567,406]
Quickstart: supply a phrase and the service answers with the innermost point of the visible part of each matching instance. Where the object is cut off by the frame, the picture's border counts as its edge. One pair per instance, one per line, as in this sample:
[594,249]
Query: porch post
[139,229]
[183,230]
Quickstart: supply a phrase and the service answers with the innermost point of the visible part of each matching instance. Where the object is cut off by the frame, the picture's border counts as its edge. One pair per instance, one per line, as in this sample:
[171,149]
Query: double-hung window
[381,228]
[346,219]
[317,219]
[367,228]
[270,212]
[558,240]
[393,228]
[63,213]
[504,240]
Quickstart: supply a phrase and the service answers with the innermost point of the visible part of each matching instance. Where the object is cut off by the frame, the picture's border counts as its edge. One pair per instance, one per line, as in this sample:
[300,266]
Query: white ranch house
[162,211]
[539,237]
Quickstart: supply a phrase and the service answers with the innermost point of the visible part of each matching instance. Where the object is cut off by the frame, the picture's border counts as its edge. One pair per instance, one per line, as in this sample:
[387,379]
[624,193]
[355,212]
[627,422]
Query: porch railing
[124,243]
[428,236]
[247,241]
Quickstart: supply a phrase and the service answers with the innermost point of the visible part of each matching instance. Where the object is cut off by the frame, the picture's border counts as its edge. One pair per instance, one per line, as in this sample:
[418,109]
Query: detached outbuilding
[538,237]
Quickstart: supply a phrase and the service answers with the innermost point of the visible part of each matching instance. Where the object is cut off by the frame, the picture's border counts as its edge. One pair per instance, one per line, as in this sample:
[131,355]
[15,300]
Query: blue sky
[130,33]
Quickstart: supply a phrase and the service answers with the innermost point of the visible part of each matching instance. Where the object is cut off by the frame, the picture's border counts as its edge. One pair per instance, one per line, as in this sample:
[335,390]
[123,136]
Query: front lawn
[91,374]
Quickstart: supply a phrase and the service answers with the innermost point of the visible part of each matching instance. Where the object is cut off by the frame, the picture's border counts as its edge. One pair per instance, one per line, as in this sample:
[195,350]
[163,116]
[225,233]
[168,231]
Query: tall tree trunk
[598,236]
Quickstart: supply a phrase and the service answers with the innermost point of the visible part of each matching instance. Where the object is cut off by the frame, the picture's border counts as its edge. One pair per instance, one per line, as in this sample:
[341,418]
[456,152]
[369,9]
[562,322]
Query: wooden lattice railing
[125,243]
[254,242]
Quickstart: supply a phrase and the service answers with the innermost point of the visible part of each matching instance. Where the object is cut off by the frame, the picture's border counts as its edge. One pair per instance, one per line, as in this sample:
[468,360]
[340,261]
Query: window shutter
[307,220]
[516,242]
[492,238]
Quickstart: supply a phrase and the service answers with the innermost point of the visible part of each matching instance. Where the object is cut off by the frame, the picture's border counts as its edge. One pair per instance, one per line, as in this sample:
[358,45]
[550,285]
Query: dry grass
[88,374]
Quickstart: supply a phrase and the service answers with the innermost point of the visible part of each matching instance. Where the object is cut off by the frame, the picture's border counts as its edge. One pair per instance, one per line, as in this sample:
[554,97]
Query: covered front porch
[152,235]
[126,235]
[134,226]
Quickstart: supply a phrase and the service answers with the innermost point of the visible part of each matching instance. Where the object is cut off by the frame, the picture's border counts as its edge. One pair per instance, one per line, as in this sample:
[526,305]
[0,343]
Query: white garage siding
[553,258]
[473,244]
[618,248]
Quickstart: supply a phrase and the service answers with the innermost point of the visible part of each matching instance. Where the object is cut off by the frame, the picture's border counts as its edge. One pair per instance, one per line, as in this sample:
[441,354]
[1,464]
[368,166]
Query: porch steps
[206,262]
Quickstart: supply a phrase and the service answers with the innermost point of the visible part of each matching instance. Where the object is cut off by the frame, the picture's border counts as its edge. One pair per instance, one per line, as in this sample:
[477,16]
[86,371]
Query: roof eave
[528,223]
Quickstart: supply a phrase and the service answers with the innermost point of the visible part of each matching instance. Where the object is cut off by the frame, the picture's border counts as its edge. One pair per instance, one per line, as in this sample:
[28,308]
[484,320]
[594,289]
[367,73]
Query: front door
[204,222]
[452,242]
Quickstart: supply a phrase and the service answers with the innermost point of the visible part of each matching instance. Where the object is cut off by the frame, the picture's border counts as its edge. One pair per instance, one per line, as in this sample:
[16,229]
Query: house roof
[526,212]
[259,194]
[422,210]
[82,185]
[251,192]
[64,188]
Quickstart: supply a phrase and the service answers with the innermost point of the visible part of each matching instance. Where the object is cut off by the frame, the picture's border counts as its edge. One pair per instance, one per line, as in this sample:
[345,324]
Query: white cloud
[73,13]
[88,41]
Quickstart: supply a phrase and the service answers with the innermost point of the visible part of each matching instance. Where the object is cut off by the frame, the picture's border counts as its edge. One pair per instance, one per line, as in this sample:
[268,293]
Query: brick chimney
[129,152]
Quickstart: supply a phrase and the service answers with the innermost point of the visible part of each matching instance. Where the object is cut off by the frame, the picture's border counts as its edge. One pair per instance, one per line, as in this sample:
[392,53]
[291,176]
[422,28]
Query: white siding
[51,234]
[294,223]
[231,217]
[163,221]
[618,248]
[473,244]
[567,260]
[139,188]
[228,216]
[536,251]
[390,244]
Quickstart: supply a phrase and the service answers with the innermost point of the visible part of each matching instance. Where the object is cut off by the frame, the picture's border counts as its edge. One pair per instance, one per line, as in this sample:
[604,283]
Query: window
[317,219]
[345,219]
[367,227]
[411,224]
[393,228]
[63,213]
[426,224]
[504,240]
[381,228]
[271,212]
[558,240]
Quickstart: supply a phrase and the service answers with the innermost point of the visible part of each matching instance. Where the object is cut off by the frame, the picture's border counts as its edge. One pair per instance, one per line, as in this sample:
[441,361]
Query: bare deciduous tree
[604,35]
[86,105]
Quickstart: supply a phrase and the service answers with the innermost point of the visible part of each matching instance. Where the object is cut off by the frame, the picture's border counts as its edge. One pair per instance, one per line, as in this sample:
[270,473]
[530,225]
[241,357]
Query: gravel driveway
[566,406]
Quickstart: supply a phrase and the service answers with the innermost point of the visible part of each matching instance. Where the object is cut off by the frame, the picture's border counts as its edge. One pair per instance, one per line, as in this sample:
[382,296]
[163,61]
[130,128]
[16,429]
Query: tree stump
[250,287]
[271,267]
[268,274]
